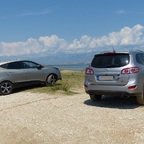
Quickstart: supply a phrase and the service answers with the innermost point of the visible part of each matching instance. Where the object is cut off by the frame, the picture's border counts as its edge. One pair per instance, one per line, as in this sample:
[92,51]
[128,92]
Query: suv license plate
[105,78]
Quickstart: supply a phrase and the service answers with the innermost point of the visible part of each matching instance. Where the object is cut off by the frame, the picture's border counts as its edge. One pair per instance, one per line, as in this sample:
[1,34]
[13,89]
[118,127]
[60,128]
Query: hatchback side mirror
[39,66]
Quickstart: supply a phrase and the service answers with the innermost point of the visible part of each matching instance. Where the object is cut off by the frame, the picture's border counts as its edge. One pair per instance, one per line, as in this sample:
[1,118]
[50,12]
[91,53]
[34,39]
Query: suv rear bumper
[113,90]
[115,93]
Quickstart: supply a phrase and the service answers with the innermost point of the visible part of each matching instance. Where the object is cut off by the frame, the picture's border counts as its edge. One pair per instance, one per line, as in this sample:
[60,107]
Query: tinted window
[140,58]
[110,60]
[14,65]
[28,64]
[4,66]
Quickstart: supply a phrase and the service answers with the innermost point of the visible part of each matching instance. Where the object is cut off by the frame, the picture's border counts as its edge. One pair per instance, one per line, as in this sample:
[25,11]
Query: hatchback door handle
[10,73]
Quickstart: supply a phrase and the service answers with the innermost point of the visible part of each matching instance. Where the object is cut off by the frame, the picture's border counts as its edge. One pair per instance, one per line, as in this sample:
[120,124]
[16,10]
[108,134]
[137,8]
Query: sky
[59,27]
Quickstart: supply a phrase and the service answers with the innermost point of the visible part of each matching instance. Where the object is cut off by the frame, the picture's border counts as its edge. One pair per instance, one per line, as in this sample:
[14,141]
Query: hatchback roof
[9,61]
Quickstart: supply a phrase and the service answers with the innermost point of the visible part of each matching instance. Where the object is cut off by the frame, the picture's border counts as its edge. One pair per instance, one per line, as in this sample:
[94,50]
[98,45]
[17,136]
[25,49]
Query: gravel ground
[27,118]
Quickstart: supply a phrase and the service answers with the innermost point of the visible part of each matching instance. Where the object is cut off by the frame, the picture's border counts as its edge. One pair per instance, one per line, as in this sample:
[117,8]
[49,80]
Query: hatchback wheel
[95,97]
[51,80]
[6,87]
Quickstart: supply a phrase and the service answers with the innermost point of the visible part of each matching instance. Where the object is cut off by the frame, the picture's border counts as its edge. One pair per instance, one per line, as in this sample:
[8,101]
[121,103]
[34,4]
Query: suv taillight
[89,71]
[130,70]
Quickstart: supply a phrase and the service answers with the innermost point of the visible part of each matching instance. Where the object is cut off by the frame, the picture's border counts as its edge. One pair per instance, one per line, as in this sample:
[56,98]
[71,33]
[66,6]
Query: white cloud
[19,48]
[127,36]
[52,43]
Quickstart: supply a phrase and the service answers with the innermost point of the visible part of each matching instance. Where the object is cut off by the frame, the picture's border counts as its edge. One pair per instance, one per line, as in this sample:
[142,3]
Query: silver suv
[116,73]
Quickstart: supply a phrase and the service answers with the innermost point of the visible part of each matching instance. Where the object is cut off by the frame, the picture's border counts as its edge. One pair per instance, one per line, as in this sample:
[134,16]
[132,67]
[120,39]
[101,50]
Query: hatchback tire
[95,97]
[51,80]
[6,88]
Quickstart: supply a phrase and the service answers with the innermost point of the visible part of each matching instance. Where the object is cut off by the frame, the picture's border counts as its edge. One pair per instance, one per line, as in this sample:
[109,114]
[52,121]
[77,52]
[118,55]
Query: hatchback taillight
[89,71]
[130,70]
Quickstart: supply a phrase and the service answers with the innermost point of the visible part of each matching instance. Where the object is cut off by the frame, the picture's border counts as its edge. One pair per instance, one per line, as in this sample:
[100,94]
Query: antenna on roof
[113,48]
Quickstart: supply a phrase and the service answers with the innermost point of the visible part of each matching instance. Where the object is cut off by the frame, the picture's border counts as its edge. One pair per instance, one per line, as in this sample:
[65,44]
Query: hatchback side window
[14,65]
[28,64]
[4,66]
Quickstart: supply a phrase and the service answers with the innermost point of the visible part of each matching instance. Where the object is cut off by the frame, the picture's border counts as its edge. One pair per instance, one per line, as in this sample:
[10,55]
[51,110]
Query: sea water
[73,67]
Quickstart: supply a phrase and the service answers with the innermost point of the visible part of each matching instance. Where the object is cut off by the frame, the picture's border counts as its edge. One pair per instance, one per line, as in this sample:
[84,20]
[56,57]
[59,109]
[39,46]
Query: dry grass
[71,80]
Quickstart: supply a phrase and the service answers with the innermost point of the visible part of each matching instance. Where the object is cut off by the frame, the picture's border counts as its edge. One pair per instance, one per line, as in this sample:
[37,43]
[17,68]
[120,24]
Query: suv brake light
[89,71]
[130,70]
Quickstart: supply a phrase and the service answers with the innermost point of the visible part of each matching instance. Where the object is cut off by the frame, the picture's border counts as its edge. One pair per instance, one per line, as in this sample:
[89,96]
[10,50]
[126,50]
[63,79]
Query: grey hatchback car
[116,73]
[20,73]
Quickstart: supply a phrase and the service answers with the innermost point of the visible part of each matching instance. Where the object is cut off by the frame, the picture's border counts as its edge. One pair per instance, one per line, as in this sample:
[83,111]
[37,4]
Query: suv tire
[140,99]
[95,97]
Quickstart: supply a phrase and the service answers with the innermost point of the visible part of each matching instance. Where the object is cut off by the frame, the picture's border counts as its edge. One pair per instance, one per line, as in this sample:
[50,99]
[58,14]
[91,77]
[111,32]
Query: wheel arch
[6,81]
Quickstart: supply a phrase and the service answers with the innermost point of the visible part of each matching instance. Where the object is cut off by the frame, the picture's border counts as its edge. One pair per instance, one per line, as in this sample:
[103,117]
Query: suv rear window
[110,60]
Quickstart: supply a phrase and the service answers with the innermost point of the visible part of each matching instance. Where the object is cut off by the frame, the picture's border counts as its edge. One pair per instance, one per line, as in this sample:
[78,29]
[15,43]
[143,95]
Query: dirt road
[27,118]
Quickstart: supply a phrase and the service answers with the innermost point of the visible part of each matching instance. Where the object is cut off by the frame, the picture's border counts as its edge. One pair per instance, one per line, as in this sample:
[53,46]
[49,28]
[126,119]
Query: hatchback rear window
[110,60]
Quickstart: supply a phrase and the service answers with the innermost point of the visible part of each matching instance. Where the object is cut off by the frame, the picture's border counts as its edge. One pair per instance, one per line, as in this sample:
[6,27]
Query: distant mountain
[55,58]
[65,59]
